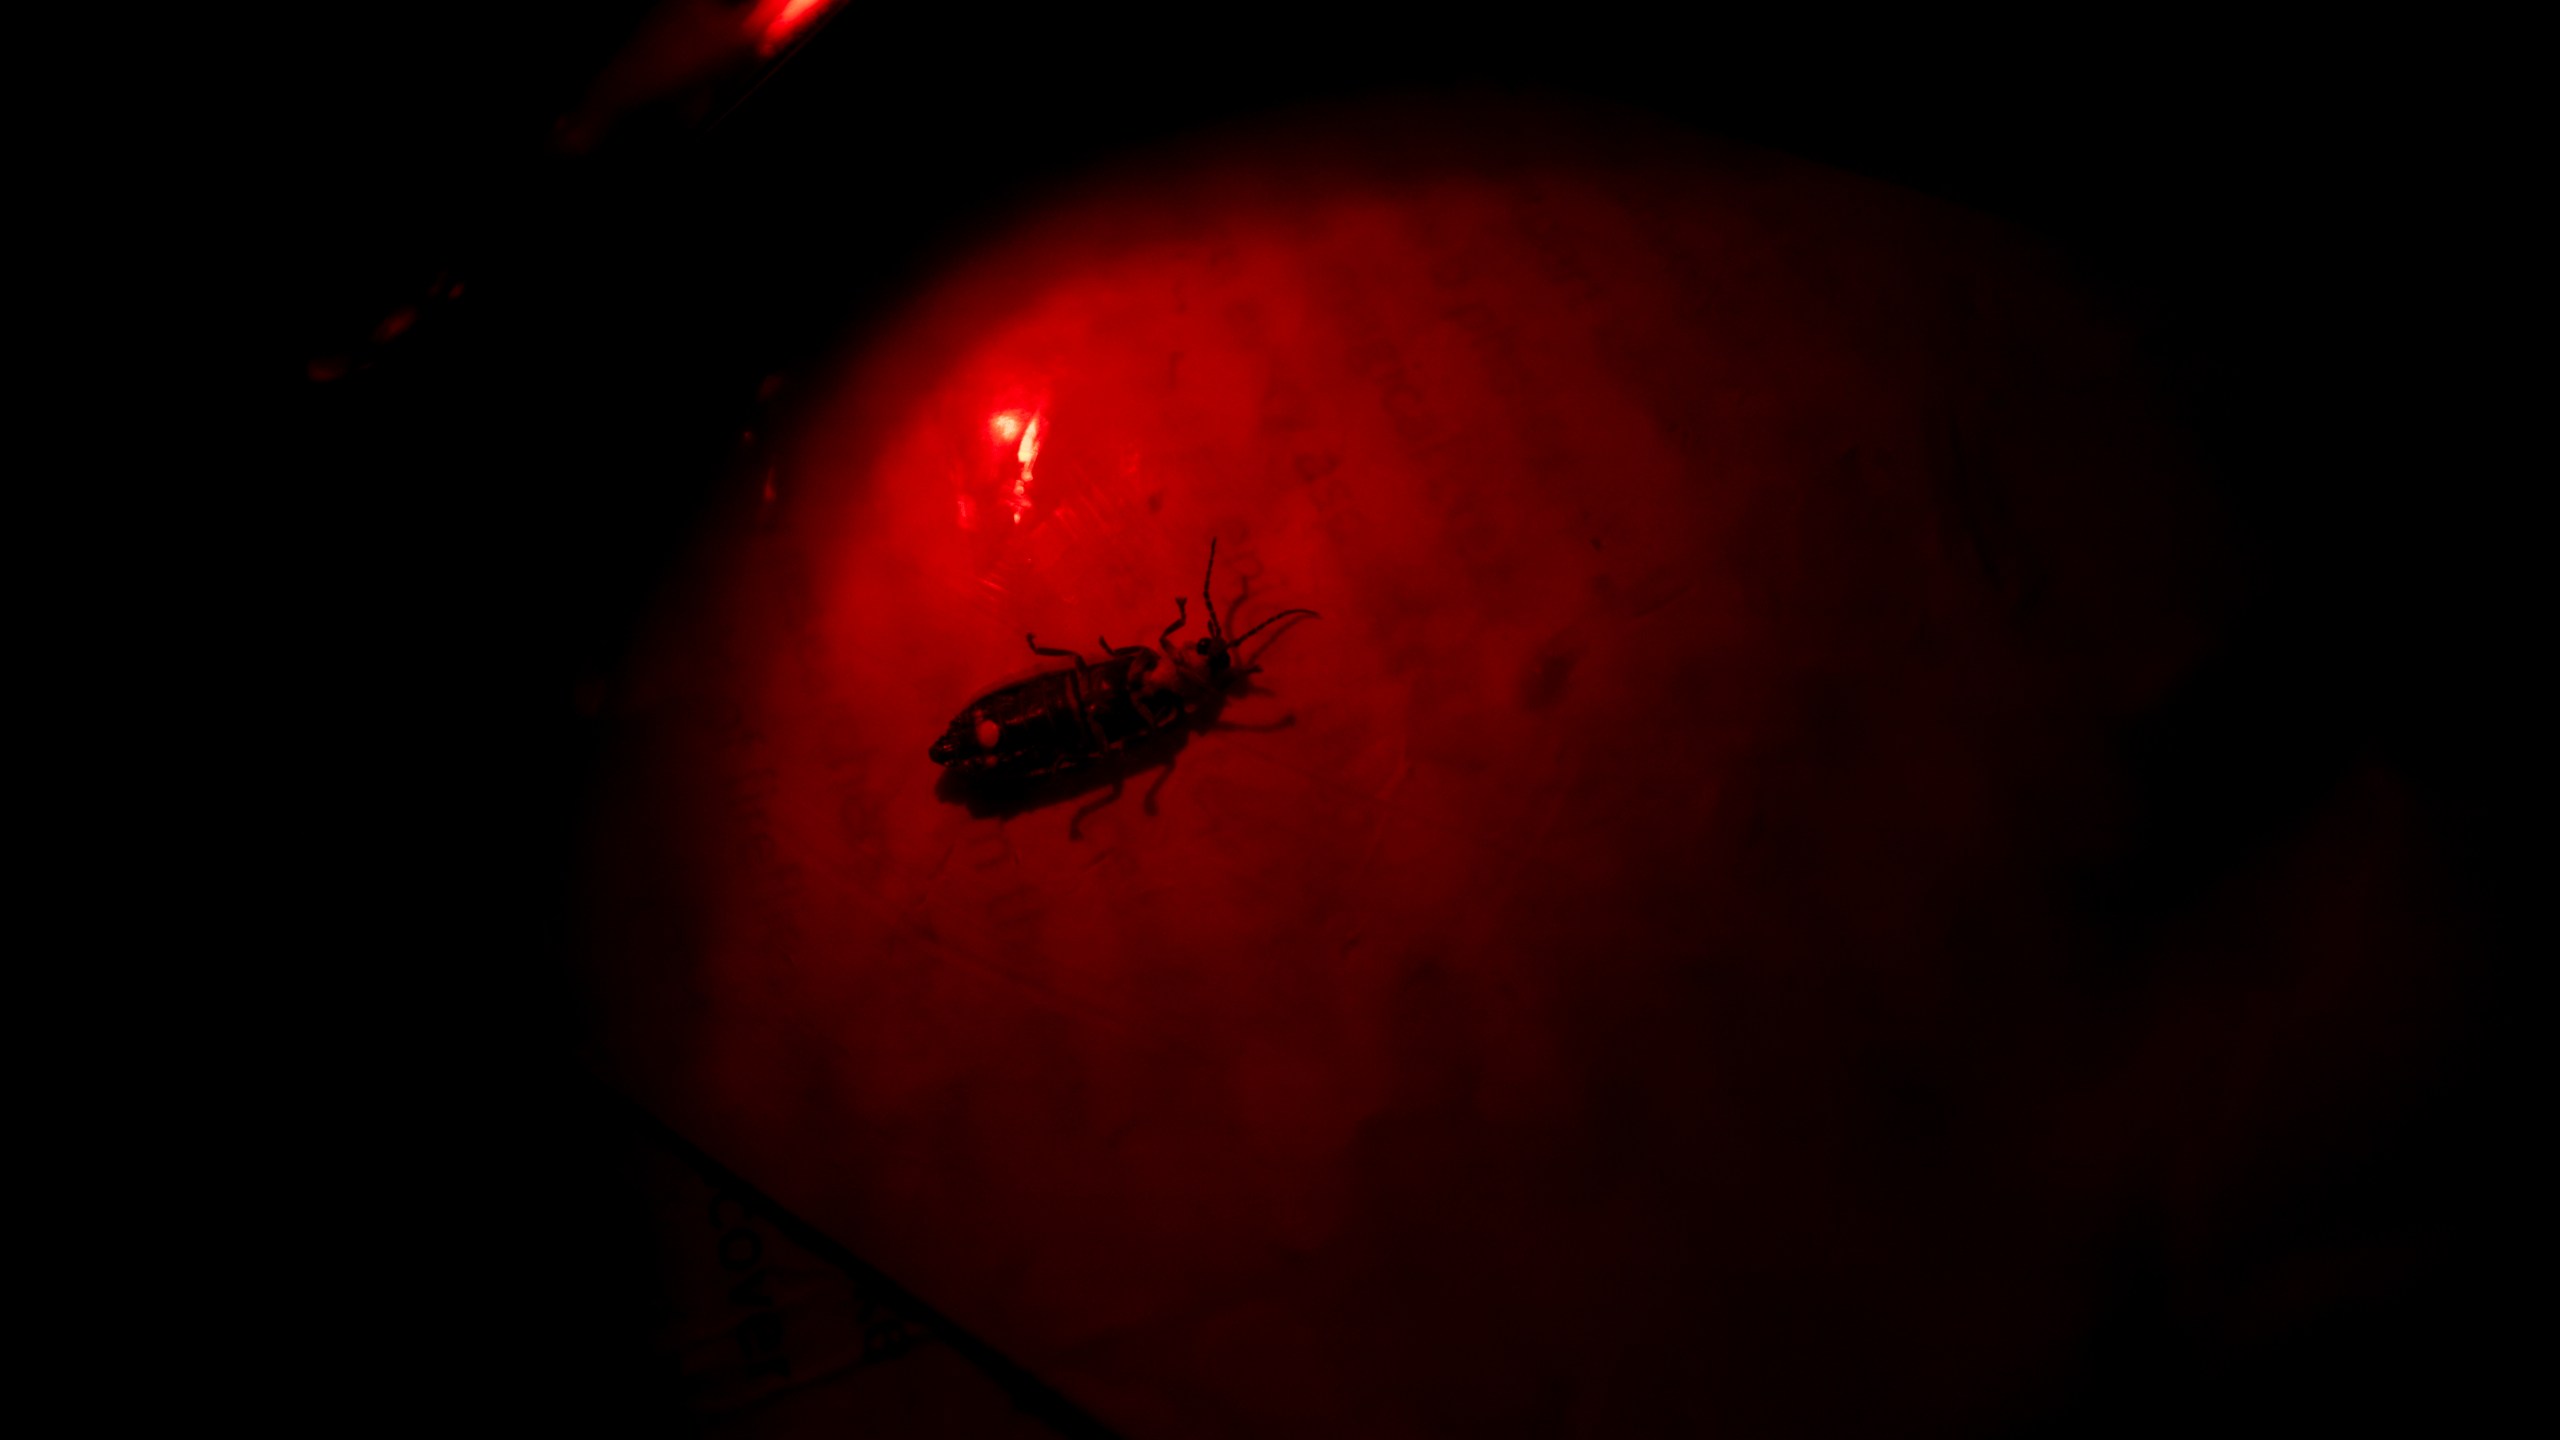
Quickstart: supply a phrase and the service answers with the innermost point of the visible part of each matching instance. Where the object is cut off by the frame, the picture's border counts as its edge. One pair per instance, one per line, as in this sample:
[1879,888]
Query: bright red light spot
[1016,432]
[776,23]
[1029,452]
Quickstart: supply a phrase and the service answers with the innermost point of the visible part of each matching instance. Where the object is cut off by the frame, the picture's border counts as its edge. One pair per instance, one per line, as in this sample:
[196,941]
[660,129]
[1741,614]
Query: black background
[430,1219]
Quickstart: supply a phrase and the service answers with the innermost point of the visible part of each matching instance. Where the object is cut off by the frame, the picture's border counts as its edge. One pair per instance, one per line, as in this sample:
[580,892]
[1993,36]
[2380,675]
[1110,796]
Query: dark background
[443,546]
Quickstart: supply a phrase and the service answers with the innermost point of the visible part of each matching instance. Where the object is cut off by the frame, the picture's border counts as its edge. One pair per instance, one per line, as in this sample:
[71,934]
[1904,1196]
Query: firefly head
[1217,652]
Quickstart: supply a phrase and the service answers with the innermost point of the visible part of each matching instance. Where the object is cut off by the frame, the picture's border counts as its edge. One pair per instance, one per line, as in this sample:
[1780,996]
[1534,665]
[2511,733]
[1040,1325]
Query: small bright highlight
[1028,452]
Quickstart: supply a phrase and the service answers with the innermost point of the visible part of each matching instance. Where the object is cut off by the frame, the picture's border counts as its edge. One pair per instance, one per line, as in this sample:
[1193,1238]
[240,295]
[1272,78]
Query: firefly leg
[1084,710]
[1039,649]
[1181,614]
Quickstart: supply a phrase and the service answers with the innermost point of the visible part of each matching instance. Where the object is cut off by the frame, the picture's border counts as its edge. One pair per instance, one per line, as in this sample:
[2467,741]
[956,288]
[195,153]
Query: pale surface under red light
[1732,577]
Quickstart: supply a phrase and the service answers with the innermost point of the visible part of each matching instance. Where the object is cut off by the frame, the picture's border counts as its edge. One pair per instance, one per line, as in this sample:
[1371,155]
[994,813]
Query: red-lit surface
[683,48]
[1622,971]
[776,23]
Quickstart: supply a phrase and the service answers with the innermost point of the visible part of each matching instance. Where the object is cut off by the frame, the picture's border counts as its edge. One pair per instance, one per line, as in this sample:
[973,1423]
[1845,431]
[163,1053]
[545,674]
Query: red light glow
[1026,454]
[776,23]
[1645,896]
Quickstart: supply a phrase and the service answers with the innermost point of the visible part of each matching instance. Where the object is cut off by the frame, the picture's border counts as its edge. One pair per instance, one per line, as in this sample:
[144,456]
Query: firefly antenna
[1214,632]
[1268,619]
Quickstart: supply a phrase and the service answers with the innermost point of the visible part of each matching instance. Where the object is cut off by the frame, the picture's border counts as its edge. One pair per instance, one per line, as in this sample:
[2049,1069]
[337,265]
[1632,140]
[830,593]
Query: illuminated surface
[776,23]
[684,48]
[1623,954]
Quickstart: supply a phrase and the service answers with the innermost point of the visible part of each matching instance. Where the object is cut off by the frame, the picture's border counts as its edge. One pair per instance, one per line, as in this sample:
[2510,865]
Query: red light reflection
[1026,453]
[1649,894]
[776,23]
[996,479]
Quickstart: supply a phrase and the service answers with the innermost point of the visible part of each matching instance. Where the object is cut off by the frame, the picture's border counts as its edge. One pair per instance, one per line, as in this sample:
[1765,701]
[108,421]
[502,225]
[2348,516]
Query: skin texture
[1654,956]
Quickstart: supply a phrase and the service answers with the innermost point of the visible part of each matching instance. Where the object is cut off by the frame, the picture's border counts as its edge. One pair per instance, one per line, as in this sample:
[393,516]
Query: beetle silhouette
[1064,721]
